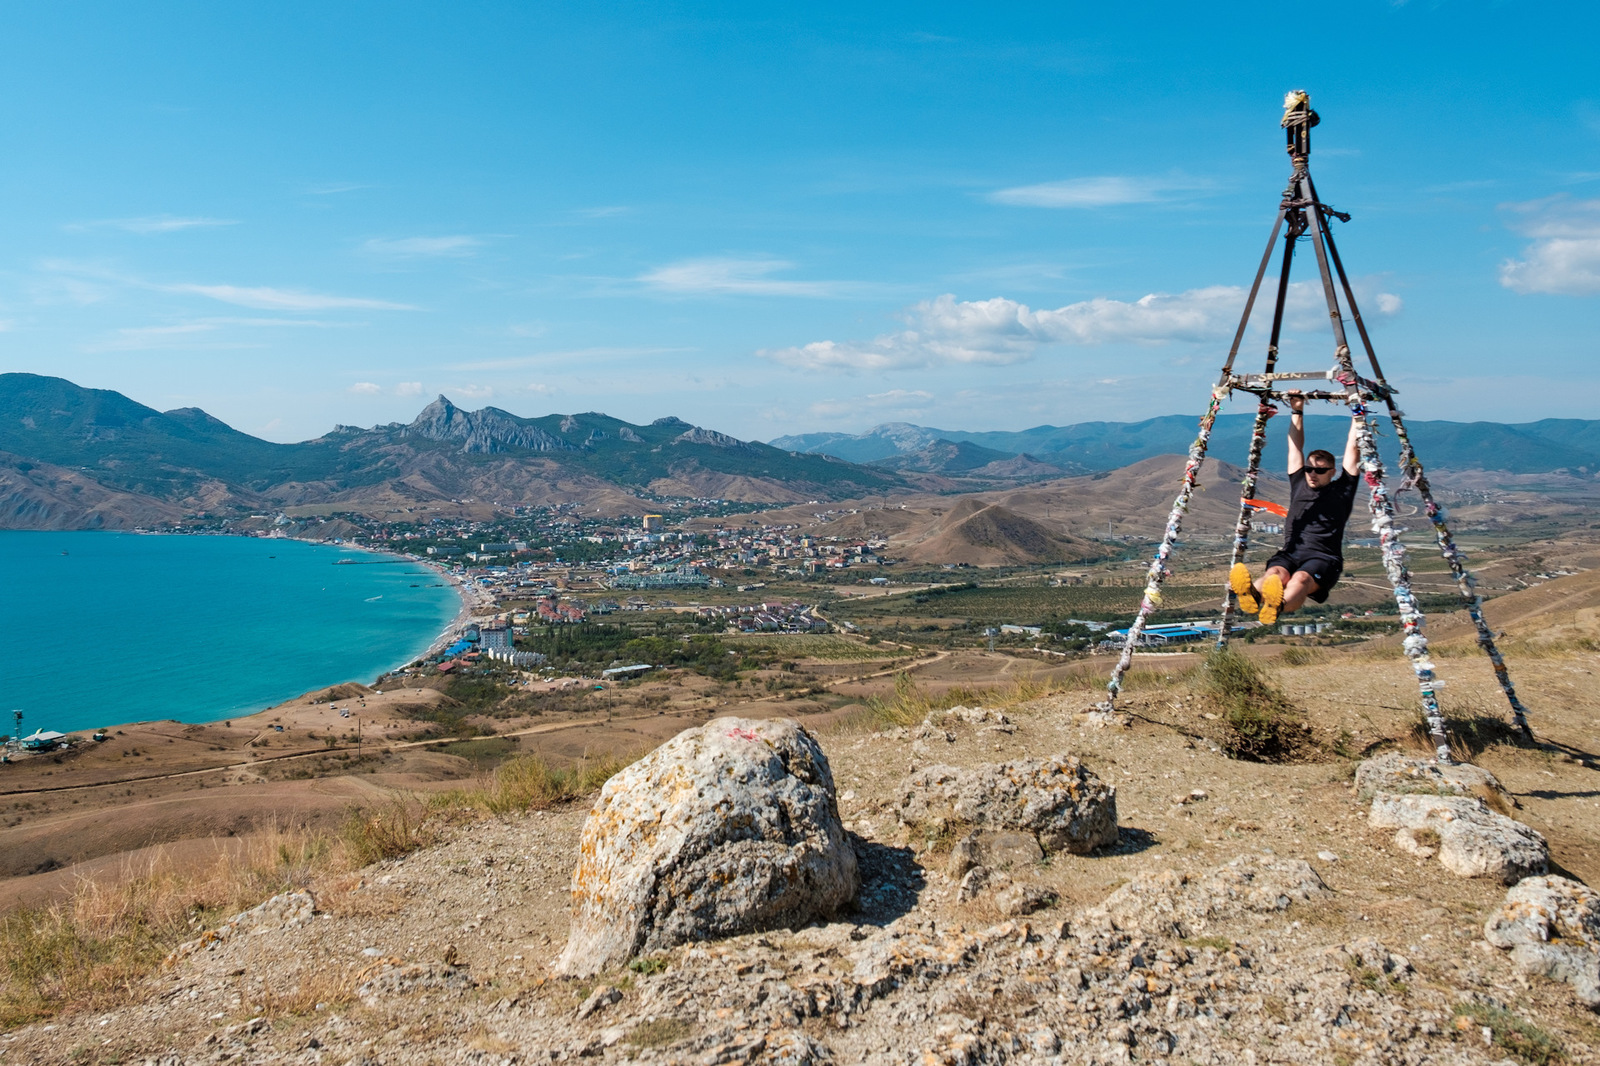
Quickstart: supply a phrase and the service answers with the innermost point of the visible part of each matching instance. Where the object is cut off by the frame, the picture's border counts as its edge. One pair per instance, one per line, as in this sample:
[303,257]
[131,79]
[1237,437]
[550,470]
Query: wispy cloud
[408,388]
[948,332]
[611,211]
[332,188]
[454,247]
[270,299]
[472,392]
[196,333]
[366,388]
[153,224]
[732,277]
[1564,257]
[581,355]
[1104,191]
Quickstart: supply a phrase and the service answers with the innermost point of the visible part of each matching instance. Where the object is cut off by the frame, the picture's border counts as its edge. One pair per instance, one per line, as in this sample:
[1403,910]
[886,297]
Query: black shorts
[1324,569]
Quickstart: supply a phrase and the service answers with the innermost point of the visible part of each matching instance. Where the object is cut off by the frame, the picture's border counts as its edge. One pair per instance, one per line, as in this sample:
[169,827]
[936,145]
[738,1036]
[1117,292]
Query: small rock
[599,999]
[1328,856]
[1020,899]
[973,884]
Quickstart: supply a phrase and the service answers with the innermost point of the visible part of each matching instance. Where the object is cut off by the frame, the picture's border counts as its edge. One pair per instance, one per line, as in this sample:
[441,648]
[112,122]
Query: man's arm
[1352,447]
[1297,431]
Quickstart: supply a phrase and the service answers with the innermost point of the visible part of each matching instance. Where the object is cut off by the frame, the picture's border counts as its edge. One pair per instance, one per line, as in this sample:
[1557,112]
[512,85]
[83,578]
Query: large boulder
[1551,926]
[1472,840]
[724,829]
[1410,773]
[1057,800]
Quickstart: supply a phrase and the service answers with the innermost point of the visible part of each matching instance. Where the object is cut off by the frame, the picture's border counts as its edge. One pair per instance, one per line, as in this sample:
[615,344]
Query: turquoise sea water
[107,628]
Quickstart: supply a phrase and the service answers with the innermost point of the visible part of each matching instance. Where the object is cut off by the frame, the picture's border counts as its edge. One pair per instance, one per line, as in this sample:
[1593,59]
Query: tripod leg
[1241,531]
[1158,566]
[1413,473]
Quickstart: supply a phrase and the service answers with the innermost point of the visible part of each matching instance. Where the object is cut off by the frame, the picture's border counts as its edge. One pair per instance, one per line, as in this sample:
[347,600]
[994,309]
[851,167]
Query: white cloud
[899,395]
[333,188]
[154,224]
[604,212]
[408,388]
[455,247]
[540,389]
[1564,257]
[1104,191]
[366,388]
[946,331]
[473,392]
[268,299]
[730,276]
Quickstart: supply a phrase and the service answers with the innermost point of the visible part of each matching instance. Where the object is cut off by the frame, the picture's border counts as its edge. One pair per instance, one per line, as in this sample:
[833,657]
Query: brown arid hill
[989,534]
[36,495]
[1561,612]
[1057,519]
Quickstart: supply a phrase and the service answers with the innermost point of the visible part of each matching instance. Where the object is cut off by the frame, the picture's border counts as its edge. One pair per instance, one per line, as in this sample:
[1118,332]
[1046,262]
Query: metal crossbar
[1301,213]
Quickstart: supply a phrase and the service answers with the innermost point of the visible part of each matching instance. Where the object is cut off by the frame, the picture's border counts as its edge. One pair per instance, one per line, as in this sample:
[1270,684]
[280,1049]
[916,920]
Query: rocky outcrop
[1551,926]
[1176,904]
[1470,839]
[725,829]
[1408,773]
[699,435]
[1058,801]
[482,432]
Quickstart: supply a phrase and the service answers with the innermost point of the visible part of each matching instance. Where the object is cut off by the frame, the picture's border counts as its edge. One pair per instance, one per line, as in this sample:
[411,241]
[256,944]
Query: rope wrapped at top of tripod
[1412,619]
[1158,571]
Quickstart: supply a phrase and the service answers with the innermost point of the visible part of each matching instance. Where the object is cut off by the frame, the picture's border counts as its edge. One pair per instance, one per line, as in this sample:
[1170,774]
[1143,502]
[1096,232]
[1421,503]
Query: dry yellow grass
[528,782]
[93,949]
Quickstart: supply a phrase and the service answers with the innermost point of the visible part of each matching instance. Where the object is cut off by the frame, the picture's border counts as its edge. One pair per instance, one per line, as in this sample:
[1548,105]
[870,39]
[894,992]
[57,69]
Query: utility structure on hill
[1302,214]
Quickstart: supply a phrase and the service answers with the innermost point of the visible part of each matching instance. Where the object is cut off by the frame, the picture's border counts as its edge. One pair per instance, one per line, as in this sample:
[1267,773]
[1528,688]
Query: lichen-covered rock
[1409,773]
[724,829]
[1174,904]
[1058,801]
[1551,926]
[1474,841]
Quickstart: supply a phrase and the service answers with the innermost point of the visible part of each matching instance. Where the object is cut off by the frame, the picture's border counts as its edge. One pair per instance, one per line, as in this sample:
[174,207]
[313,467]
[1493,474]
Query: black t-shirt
[1317,516]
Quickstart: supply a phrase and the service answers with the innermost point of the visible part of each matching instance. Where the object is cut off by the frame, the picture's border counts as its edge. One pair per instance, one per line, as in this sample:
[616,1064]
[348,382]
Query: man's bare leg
[1300,586]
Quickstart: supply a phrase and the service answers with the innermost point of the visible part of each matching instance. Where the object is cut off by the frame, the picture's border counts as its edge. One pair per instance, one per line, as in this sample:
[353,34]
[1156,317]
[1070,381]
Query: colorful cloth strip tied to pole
[1158,571]
[1393,551]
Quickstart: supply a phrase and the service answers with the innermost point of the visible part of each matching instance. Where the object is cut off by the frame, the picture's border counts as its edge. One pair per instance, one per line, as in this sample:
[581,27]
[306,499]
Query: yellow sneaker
[1239,582]
[1271,598]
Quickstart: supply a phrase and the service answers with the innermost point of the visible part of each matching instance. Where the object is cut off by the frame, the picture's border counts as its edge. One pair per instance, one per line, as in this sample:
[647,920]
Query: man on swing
[1312,557]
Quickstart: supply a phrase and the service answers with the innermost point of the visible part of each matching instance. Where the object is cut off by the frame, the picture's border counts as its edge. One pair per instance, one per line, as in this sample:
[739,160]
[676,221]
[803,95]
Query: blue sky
[771,219]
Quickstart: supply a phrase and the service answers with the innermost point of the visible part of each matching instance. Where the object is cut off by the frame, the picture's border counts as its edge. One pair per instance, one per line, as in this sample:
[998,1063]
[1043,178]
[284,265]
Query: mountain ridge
[1544,446]
[75,457]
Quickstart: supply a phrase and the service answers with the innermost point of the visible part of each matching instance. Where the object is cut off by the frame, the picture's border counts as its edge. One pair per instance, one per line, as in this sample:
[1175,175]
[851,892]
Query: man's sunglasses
[1319,469]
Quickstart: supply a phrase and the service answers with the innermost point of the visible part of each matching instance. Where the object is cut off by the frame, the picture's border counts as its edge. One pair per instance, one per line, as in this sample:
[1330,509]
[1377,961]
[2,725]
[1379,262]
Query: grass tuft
[528,782]
[1521,1038]
[1261,724]
[909,704]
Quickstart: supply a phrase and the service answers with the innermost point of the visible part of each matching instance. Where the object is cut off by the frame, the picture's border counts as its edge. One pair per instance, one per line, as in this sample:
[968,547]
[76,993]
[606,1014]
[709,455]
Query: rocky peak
[486,431]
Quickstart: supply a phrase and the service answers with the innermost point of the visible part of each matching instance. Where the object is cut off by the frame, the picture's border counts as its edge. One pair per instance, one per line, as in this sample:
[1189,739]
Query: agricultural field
[814,647]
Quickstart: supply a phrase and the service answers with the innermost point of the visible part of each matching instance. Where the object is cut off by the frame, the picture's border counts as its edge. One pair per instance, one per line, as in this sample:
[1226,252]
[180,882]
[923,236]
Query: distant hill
[1526,448]
[72,458]
[981,533]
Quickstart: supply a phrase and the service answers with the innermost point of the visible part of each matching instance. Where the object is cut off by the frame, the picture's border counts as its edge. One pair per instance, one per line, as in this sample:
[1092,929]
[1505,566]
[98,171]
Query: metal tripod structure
[1301,213]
